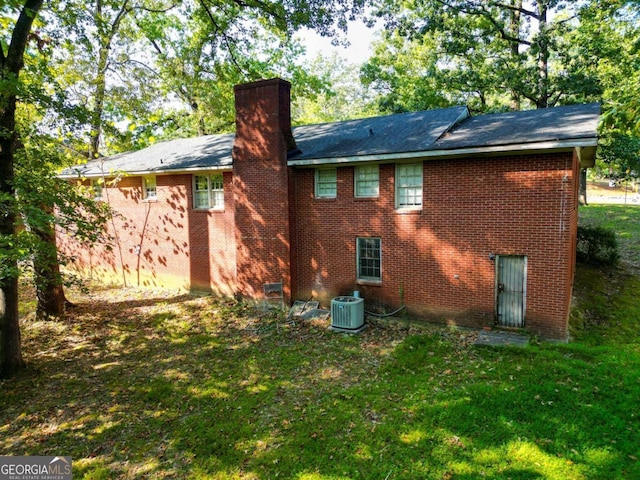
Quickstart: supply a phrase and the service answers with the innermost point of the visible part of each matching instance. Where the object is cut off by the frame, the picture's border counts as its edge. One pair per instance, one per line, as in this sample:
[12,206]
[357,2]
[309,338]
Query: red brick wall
[261,185]
[163,243]
[472,208]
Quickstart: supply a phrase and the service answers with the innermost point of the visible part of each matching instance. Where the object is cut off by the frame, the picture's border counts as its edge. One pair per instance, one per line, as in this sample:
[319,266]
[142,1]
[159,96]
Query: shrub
[597,245]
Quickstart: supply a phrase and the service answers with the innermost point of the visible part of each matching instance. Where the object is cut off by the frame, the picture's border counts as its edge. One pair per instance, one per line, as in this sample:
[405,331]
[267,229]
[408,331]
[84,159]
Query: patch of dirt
[602,192]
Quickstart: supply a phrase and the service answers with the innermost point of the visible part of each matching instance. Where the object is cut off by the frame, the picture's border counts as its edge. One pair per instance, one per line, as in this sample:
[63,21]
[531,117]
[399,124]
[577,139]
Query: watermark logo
[35,468]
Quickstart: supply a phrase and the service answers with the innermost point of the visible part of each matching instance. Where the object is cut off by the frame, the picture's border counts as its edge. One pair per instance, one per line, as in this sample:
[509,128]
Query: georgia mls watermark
[35,468]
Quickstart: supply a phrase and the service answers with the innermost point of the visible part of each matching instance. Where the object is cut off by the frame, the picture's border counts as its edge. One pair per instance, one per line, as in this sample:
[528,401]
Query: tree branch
[14,60]
[481,11]
[225,37]
[524,11]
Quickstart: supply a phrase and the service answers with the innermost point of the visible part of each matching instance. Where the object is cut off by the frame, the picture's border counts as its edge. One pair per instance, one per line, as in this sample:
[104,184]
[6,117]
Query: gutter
[537,147]
[78,173]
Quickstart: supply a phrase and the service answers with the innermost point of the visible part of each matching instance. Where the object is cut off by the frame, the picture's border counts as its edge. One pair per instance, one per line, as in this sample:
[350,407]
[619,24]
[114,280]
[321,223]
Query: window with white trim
[369,259]
[96,188]
[208,191]
[367,181]
[326,184]
[409,185]
[149,191]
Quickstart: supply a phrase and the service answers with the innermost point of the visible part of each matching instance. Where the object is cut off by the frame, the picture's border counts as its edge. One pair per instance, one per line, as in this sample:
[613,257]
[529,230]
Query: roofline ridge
[386,115]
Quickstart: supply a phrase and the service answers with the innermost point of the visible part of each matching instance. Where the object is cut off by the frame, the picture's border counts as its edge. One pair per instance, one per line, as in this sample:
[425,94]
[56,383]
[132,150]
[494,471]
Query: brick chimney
[261,185]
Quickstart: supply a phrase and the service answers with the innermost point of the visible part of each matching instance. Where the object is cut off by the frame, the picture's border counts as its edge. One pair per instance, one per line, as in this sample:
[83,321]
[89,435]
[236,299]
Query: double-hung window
[409,185]
[367,181]
[208,191]
[149,191]
[326,183]
[96,188]
[369,259]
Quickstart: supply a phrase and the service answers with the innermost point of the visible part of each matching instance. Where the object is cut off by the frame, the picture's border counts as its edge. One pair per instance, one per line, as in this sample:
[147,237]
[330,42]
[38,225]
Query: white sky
[359,37]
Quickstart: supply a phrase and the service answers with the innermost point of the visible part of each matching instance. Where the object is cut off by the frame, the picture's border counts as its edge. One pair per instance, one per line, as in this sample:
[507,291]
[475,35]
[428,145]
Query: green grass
[159,385]
[624,220]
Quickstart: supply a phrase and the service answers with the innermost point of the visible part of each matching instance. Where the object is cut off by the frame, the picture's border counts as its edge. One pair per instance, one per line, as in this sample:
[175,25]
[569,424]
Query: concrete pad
[501,338]
[353,331]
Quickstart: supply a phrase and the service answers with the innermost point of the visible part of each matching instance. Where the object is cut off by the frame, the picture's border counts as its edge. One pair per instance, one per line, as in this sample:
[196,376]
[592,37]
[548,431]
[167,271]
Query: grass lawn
[625,220]
[139,384]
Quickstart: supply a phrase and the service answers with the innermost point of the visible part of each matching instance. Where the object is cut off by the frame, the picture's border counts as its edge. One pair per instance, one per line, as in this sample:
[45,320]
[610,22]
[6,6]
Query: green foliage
[490,54]
[495,55]
[151,70]
[597,245]
[624,220]
[46,203]
[330,93]
[618,156]
[405,76]
[168,385]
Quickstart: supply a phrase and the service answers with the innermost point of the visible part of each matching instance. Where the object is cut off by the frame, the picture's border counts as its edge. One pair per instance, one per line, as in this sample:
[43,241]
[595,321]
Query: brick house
[468,220]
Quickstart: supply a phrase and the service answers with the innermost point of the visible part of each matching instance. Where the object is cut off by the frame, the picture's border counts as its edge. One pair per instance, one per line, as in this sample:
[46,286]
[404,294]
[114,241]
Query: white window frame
[213,190]
[149,188]
[409,184]
[366,180]
[326,182]
[97,186]
[369,259]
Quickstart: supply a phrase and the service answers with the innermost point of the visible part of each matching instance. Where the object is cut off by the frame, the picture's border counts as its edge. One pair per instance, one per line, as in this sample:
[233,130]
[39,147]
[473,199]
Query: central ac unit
[347,314]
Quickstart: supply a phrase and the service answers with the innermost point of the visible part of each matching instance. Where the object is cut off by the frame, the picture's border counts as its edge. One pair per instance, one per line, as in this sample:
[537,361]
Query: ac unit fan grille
[347,313]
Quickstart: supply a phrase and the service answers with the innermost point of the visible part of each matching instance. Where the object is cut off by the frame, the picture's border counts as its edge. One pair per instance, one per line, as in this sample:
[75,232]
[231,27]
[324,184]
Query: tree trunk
[10,351]
[583,186]
[106,32]
[11,64]
[543,57]
[514,30]
[10,341]
[49,288]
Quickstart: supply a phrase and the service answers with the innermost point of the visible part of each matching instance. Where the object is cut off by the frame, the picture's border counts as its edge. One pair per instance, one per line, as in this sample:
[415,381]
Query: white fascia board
[142,173]
[539,147]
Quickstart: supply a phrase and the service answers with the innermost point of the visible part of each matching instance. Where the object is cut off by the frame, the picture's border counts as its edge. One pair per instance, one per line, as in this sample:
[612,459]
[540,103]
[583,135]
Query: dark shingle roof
[403,132]
[198,153]
[448,129]
[530,126]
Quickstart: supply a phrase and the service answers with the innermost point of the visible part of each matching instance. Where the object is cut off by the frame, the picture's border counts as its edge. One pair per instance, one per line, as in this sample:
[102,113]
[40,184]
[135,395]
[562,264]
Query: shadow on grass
[193,387]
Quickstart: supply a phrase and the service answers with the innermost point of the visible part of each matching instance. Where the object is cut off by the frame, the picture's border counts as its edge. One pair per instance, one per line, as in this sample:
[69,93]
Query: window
[326,183]
[367,181]
[409,185]
[96,188]
[149,188]
[208,191]
[369,259]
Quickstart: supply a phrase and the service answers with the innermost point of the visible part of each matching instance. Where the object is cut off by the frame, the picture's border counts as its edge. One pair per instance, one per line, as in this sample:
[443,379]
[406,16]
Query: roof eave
[139,173]
[584,144]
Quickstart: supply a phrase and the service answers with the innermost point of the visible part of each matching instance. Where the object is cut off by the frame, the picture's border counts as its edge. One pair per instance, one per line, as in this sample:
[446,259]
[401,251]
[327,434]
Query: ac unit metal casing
[347,313]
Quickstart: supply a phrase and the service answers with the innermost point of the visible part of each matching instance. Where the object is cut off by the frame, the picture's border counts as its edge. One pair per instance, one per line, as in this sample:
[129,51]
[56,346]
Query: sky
[359,36]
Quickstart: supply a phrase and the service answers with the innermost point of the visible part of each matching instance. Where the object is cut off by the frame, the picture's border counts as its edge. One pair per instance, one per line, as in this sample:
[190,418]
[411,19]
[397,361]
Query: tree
[500,54]
[227,27]
[97,62]
[336,93]
[11,64]
[199,64]
[610,32]
[46,204]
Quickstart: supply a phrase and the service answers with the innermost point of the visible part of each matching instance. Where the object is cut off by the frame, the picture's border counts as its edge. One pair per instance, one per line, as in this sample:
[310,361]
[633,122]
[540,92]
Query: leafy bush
[597,245]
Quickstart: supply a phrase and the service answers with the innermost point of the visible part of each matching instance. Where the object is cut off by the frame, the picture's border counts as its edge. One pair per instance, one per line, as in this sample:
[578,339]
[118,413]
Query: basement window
[369,259]
[367,181]
[326,184]
[208,192]
[149,191]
